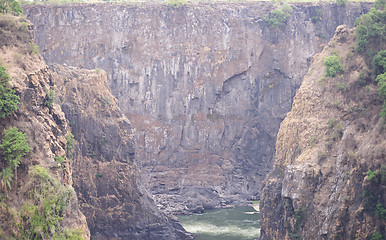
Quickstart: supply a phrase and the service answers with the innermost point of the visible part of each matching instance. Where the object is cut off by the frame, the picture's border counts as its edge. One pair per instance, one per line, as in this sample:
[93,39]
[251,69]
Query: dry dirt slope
[332,137]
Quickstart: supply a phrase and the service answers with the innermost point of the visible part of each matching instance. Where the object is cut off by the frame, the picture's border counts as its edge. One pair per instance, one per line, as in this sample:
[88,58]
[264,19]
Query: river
[240,223]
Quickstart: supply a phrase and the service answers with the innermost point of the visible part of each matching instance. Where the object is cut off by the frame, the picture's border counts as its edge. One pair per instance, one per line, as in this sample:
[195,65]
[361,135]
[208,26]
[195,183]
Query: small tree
[9,101]
[333,66]
[14,147]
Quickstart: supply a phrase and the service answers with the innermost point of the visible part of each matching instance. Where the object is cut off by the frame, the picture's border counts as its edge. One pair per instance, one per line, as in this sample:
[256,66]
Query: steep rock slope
[205,86]
[105,174]
[98,163]
[321,187]
[45,130]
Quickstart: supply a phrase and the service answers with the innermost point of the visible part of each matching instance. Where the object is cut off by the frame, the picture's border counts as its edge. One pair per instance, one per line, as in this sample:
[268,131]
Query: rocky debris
[205,86]
[333,136]
[105,174]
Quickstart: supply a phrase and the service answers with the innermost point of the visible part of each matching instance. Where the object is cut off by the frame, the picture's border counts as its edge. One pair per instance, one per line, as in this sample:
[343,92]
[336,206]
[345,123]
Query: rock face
[104,172]
[204,86]
[108,201]
[332,137]
[43,127]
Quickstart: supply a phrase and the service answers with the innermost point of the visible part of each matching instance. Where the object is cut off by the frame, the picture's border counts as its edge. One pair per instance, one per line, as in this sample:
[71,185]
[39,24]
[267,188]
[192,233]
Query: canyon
[204,86]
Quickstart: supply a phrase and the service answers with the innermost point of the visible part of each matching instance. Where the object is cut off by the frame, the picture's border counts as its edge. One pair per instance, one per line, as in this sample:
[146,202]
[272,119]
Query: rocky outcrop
[99,164]
[104,171]
[321,187]
[44,129]
[205,86]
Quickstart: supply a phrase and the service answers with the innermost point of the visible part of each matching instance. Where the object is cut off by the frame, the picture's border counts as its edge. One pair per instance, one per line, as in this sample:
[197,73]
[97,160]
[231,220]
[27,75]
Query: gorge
[182,104]
[204,86]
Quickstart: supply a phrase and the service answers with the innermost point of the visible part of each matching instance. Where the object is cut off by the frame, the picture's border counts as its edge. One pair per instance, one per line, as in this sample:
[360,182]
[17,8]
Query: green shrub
[9,101]
[372,176]
[381,79]
[376,236]
[10,6]
[70,144]
[341,86]
[333,66]
[380,211]
[278,17]
[59,159]
[14,146]
[379,62]
[40,218]
[49,99]
[341,2]
[371,31]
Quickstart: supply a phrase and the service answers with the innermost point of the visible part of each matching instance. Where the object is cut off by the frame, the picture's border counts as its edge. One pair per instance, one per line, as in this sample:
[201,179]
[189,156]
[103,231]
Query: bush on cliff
[333,66]
[278,17]
[9,101]
[13,147]
[10,6]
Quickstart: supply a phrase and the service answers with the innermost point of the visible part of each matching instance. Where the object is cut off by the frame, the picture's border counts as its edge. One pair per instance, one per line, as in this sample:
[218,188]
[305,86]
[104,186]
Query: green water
[223,224]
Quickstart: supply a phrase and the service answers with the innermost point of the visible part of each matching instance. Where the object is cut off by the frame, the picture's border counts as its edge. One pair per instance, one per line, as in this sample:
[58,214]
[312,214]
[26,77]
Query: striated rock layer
[105,175]
[320,187]
[204,86]
[108,203]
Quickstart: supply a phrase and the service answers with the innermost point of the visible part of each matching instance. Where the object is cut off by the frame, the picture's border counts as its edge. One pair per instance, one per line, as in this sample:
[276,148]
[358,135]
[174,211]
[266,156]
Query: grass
[58,2]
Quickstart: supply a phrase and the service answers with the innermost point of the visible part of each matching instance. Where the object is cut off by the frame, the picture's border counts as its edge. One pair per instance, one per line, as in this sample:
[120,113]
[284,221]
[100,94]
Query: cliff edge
[329,176]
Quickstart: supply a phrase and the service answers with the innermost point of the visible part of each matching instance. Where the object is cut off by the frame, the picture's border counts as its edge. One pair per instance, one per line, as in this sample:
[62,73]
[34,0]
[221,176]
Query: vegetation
[376,236]
[10,6]
[379,62]
[372,176]
[14,146]
[40,216]
[278,17]
[380,211]
[70,144]
[333,66]
[49,100]
[341,2]
[9,101]
[317,17]
[59,159]
[176,3]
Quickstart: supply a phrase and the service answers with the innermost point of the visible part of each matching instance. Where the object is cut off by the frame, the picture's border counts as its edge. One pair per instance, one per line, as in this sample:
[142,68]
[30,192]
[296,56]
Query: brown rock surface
[204,85]
[325,146]
[44,128]
[104,172]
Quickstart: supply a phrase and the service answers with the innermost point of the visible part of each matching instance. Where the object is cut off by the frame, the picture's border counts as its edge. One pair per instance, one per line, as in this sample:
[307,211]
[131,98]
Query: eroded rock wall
[105,175]
[205,86]
[320,187]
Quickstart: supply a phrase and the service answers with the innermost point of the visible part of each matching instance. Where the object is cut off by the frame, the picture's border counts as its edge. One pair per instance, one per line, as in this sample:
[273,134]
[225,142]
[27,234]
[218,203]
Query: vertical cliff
[329,175]
[40,202]
[205,86]
[104,172]
[78,139]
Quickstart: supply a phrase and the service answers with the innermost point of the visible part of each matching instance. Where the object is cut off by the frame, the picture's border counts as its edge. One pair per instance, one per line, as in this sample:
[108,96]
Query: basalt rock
[205,86]
[321,187]
[104,172]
